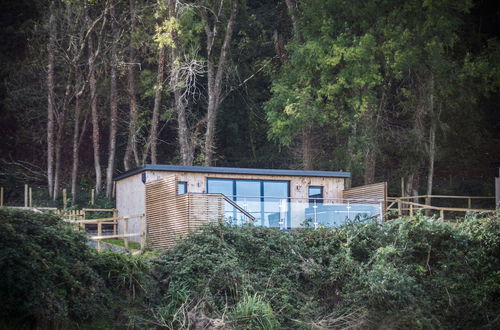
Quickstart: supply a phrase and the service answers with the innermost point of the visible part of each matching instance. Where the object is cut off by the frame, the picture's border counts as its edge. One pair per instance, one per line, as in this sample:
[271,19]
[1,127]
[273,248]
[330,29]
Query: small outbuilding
[177,199]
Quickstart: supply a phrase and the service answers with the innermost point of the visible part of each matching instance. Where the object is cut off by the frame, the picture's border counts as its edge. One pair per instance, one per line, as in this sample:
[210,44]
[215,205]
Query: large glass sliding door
[266,200]
[275,204]
[248,196]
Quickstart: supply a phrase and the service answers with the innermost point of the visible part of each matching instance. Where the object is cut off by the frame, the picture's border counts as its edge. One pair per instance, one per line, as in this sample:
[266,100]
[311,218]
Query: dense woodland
[397,91]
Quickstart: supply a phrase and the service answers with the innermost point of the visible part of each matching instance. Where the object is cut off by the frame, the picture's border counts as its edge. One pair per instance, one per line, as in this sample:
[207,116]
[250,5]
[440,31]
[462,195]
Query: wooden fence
[28,196]
[376,192]
[409,206]
[99,237]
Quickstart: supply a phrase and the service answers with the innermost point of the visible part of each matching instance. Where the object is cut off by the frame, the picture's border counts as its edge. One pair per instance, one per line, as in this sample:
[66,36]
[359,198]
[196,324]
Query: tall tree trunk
[76,146]
[215,77]
[291,6]
[50,100]
[307,149]
[131,149]
[369,165]
[57,152]
[113,109]
[432,142]
[184,133]
[95,116]
[152,143]
[61,124]
[180,102]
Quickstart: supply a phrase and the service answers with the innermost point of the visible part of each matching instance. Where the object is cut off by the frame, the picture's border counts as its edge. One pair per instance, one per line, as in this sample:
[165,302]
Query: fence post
[65,198]
[25,195]
[92,197]
[1,196]
[411,210]
[144,231]
[99,233]
[115,222]
[441,214]
[469,202]
[125,232]
[30,197]
[400,211]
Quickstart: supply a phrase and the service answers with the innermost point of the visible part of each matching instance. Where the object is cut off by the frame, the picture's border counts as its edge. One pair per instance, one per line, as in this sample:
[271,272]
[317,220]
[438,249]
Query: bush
[51,277]
[410,272]
[413,272]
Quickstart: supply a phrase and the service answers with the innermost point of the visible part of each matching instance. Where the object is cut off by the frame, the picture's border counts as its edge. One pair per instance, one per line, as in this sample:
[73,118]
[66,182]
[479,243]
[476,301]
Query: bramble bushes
[51,278]
[407,273]
[410,272]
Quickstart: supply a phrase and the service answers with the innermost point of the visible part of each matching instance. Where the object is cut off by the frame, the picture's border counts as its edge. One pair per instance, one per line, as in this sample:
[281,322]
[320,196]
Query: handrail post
[441,214]
[400,205]
[469,202]
[411,210]
[315,215]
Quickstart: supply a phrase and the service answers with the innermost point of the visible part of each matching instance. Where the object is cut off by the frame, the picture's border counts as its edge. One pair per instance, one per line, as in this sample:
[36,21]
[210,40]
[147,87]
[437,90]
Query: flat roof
[232,170]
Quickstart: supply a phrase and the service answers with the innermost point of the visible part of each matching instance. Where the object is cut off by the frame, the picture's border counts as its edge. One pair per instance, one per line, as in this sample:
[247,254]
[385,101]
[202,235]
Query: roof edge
[232,170]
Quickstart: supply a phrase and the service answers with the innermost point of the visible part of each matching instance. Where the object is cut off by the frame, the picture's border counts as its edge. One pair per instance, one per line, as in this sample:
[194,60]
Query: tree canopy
[389,90]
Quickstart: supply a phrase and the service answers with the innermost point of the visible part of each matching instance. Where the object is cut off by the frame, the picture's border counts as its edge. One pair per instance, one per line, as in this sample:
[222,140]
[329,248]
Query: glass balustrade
[291,213]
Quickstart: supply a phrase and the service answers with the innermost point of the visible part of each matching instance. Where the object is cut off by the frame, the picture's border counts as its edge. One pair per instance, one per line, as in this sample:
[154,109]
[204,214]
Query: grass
[120,242]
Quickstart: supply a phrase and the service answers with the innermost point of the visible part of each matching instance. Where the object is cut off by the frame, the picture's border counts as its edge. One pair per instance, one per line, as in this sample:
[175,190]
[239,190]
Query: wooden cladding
[170,216]
[368,193]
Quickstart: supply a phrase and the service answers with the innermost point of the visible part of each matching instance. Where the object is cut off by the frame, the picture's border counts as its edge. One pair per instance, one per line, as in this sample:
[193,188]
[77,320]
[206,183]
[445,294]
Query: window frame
[318,200]
[182,183]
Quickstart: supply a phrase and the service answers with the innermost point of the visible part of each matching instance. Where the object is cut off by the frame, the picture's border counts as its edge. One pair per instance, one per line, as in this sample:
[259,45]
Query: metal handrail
[236,206]
[296,198]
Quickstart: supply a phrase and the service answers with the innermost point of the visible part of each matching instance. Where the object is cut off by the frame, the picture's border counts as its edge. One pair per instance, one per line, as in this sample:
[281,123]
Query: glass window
[275,203]
[220,186]
[315,194]
[181,187]
[248,197]
[267,201]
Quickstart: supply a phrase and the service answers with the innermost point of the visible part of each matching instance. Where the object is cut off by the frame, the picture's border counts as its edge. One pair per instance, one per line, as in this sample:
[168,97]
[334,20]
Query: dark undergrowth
[407,273]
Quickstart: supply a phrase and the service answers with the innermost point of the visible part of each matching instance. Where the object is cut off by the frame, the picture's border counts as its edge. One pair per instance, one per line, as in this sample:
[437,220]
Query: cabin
[176,199]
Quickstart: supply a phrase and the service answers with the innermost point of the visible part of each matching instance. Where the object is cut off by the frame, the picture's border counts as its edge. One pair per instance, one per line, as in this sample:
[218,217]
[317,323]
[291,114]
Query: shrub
[51,277]
[409,272]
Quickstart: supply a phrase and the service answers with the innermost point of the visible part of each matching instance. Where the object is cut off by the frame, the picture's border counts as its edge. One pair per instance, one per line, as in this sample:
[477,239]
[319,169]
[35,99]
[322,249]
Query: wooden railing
[407,205]
[112,221]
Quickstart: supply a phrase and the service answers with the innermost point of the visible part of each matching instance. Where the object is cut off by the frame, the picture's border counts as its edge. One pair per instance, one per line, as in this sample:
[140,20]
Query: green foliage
[253,312]
[51,277]
[413,272]
[408,272]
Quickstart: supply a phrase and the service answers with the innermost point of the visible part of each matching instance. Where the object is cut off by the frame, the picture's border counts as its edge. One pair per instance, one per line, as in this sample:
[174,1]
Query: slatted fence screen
[170,216]
[368,192]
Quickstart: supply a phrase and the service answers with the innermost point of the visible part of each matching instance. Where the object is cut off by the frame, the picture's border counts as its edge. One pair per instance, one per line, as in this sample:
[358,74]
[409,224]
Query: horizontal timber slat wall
[170,216]
[204,208]
[165,219]
[370,191]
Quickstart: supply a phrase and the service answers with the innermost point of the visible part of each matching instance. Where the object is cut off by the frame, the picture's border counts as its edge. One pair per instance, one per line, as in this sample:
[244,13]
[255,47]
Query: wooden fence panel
[170,216]
[368,193]
[166,219]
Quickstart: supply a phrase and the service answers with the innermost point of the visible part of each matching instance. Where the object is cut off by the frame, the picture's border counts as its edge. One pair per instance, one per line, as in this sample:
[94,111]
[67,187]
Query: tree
[216,68]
